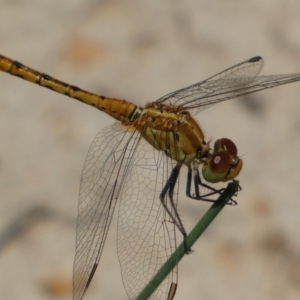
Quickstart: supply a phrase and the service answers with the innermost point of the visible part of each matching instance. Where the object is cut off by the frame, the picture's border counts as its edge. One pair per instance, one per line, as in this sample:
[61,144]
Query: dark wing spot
[91,275]
[254,59]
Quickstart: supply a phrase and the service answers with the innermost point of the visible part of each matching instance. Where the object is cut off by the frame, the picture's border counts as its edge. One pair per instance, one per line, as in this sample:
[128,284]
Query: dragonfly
[136,162]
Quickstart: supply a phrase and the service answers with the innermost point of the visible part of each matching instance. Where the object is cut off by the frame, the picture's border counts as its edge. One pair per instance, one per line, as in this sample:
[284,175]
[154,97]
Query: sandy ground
[141,50]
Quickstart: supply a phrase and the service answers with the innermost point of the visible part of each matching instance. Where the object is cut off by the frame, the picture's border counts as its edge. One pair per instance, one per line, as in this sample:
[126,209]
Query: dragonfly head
[223,164]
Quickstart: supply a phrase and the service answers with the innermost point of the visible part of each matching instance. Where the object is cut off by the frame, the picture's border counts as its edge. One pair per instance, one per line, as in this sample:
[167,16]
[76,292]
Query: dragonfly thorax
[172,130]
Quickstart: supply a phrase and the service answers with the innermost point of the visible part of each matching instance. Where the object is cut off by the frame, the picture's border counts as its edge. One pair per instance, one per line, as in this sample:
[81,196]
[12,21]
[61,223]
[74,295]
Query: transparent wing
[103,174]
[236,81]
[146,234]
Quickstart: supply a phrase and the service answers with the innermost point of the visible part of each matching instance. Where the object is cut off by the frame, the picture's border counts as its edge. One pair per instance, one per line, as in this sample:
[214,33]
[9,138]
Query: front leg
[194,176]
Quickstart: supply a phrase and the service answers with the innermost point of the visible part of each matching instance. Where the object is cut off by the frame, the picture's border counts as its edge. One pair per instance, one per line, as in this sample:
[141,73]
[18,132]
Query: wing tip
[255,59]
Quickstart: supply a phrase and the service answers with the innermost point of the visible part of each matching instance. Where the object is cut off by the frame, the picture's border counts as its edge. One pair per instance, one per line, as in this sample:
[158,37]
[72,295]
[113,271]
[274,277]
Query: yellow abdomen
[119,109]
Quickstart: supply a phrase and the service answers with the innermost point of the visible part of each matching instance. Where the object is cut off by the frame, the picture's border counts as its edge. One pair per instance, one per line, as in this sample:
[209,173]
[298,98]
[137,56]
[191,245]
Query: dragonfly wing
[197,94]
[103,174]
[221,90]
[233,82]
[146,234]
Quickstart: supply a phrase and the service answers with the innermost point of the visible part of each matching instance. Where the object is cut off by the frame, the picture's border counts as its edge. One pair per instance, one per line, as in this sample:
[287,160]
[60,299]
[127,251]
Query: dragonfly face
[223,164]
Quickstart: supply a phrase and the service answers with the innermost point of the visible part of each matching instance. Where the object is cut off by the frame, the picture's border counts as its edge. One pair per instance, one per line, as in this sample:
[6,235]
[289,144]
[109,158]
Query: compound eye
[217,167]
[227,145]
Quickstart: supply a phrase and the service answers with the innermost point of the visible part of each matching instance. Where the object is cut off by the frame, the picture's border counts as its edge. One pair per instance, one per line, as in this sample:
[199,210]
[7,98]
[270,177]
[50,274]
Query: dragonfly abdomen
[121,110]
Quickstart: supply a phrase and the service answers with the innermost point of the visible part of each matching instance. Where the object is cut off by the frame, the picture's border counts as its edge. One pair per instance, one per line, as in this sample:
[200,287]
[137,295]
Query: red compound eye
[228,145]
[217,167]
[219,163]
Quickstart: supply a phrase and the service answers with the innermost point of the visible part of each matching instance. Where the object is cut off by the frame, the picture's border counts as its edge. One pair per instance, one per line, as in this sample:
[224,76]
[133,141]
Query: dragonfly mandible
[137,161]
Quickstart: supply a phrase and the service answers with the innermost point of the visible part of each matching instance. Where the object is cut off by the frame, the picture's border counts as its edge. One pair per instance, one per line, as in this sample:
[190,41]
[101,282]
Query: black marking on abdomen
[75,88]
[132,116]
[46,77]
[18,64]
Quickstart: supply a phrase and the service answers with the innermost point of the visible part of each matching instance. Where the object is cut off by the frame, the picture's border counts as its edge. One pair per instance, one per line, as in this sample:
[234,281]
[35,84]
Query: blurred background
[139,51]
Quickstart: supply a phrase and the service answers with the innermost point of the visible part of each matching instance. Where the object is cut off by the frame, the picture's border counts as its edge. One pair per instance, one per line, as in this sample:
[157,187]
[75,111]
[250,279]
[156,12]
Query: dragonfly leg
[166,198]
[194,176]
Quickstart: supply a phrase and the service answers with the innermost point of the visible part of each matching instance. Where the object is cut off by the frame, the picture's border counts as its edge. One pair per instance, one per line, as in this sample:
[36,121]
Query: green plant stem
[196,232]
